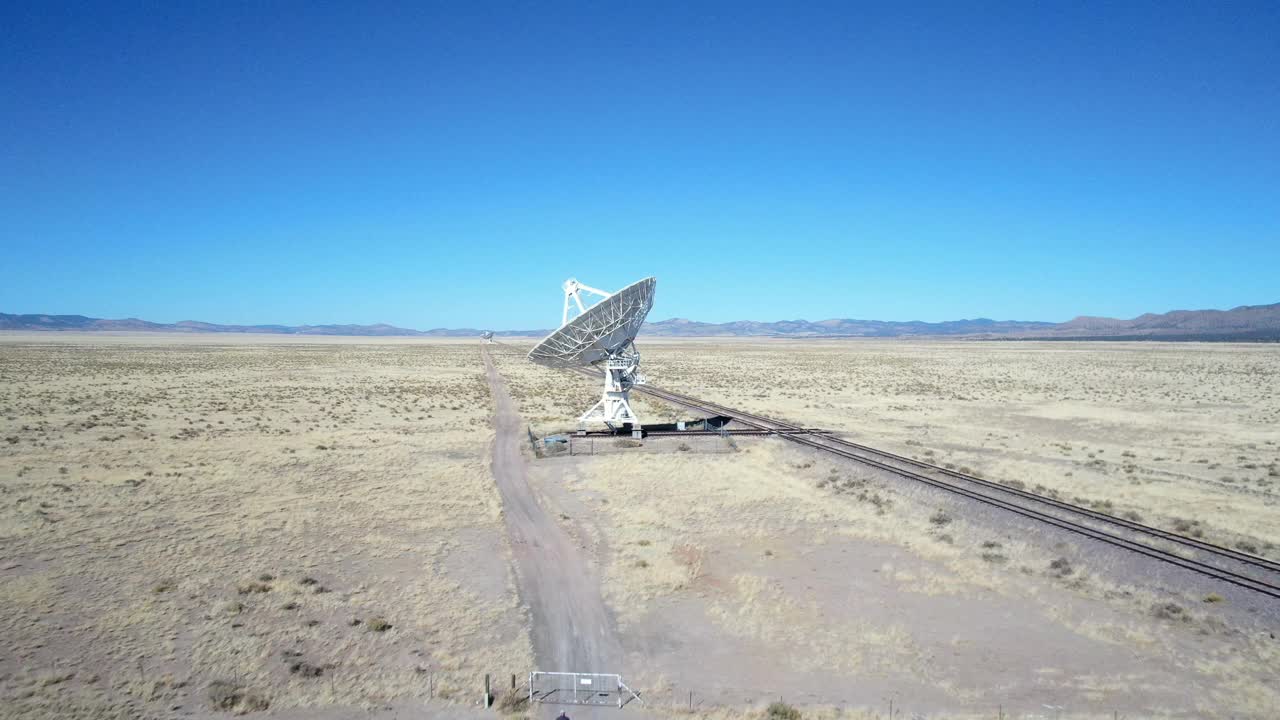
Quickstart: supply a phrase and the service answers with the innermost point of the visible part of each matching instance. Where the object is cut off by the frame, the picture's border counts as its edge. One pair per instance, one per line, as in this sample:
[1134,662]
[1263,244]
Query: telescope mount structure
[603,335]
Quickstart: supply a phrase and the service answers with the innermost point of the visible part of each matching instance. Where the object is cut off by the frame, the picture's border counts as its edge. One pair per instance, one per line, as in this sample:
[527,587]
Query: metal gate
[579,689]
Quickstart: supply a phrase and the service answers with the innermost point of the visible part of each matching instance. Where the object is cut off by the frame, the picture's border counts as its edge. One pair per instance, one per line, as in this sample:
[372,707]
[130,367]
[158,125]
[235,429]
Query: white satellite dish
[604,332]
[487,336]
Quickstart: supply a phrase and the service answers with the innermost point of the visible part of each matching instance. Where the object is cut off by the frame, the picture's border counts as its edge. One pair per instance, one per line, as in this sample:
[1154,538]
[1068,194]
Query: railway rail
[732,432]
[1227,565]
[1085,522]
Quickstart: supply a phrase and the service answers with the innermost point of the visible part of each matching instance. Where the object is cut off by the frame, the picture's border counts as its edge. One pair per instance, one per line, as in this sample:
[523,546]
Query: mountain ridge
[1245,322]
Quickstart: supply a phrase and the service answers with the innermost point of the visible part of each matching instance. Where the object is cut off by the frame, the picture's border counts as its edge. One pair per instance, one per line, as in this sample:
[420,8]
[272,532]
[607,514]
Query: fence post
[488,697]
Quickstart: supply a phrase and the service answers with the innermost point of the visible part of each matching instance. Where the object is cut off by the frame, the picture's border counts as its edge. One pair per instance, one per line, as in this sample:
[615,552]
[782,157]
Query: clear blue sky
[450,165]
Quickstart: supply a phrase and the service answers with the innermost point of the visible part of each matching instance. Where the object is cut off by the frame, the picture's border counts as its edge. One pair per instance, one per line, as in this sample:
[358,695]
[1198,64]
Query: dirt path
[572,630]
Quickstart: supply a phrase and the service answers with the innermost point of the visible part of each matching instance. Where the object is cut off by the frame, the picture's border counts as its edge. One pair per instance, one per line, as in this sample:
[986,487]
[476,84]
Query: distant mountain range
[841,328]
[88,324]
[1246,323]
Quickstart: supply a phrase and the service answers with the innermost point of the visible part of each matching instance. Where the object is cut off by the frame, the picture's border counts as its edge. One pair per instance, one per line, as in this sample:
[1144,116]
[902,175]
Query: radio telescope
[487,336]
[602,334]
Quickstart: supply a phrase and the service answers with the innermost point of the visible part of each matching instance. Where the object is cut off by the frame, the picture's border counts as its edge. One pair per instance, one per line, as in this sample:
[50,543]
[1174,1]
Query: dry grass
[1176,434]
[310,525]
[180,516]
[738,542]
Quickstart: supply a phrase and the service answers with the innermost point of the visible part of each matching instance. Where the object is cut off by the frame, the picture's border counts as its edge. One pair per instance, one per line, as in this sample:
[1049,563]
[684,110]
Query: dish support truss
[573,291]
[567,688]
[621,373]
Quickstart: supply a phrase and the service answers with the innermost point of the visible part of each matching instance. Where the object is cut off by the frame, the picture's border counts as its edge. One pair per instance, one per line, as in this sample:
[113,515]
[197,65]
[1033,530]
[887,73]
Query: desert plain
[197,526]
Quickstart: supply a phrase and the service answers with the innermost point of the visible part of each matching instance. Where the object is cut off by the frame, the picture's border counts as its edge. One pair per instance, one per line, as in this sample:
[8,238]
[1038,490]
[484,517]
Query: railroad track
[1243,570]
[1263,577]
[734,432]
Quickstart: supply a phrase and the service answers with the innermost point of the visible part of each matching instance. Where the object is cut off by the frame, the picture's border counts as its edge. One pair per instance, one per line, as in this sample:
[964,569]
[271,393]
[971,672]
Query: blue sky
[449,165]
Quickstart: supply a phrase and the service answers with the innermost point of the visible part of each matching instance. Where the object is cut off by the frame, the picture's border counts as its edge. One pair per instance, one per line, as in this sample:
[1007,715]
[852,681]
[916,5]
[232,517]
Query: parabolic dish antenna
[602,333]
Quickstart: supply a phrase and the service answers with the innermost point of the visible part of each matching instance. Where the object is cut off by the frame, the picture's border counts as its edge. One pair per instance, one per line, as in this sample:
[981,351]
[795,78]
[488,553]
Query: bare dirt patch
[572,630]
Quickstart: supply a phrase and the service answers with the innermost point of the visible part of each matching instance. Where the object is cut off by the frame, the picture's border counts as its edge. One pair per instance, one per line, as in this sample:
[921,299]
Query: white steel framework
[602,334]
[573,290]
[621,373]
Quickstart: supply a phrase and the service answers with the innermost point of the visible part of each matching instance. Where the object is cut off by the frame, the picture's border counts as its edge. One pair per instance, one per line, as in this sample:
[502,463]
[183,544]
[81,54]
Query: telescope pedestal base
[614,408]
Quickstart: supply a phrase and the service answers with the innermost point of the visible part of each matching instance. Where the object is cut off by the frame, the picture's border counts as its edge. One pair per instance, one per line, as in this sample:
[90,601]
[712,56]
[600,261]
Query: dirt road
[572,630]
